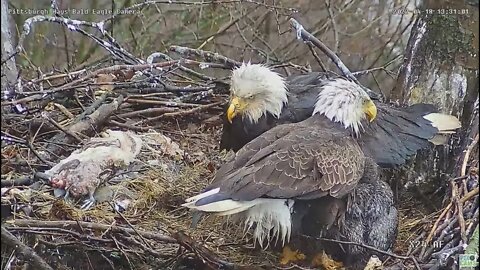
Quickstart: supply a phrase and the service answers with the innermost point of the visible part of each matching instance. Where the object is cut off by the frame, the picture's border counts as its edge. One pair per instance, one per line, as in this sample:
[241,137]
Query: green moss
[446,38]
[473,245]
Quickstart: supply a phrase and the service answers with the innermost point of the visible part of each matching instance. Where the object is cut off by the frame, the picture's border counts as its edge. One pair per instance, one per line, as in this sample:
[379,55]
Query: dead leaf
[50,107]
[124,75]
[107,79]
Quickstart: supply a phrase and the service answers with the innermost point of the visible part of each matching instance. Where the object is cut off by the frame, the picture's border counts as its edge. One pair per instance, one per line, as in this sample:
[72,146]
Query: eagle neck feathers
[341,101]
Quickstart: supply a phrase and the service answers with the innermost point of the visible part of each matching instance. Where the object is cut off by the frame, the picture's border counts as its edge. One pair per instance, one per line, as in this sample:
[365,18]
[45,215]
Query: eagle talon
[330,152]
[289,256]
[323,260]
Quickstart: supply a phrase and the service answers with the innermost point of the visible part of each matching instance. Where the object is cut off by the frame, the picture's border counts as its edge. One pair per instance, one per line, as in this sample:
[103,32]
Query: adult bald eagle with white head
[295,175]
[317,158]
[261,99]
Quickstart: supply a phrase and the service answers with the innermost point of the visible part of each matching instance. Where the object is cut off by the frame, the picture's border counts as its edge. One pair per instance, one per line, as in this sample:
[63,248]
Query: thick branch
[81,225]
[27,252]
[306,36]
[86,125]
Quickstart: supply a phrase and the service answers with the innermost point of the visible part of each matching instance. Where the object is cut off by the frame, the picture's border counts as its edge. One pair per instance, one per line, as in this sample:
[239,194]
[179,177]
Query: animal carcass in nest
[88,167]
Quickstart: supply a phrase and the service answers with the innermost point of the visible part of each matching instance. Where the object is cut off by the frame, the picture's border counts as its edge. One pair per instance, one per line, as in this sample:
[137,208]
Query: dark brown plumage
[398,133]
[318,161]
[308,160]
[395,135]
[367,215]
[304,160]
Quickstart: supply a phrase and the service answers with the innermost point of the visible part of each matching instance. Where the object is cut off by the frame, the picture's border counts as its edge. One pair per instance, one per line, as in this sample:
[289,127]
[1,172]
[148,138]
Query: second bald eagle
[311,159]
[311,170]
[261,99]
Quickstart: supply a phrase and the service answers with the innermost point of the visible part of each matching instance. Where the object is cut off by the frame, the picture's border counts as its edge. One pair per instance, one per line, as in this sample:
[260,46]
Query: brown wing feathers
[293,161]
[397,134]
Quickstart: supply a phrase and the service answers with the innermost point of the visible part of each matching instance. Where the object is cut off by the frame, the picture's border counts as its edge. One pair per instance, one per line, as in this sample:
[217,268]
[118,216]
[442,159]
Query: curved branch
[27,252]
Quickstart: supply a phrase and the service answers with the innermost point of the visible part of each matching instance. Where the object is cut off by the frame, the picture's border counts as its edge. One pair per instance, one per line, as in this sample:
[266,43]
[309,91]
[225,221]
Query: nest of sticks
[152,231]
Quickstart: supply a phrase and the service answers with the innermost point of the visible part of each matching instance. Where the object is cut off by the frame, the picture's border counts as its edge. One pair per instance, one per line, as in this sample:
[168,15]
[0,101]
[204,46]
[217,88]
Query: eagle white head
[346,102]
[256,90]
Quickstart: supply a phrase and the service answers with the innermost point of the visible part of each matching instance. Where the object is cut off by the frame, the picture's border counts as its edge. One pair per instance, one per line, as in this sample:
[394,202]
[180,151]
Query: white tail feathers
[272,219]
[439,139]
[445,123]
[221,208]
[201,196]
[269,218]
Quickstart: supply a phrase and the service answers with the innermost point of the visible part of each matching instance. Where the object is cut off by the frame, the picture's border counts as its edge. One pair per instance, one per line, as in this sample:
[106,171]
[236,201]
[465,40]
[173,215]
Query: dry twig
[306,36]
[27,252]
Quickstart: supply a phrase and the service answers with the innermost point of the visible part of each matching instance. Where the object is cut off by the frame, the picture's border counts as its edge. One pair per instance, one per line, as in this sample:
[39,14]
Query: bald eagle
[325,161]
[319,157]
[367,215]
[261,99]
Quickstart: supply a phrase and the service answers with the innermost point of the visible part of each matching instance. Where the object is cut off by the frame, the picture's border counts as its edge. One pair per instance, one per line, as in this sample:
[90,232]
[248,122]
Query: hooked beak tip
[371,111]
[231,112]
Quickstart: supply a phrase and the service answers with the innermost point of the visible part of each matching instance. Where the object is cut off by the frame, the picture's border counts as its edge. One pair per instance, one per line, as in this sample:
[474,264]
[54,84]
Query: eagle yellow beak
[236,105]
[370,110]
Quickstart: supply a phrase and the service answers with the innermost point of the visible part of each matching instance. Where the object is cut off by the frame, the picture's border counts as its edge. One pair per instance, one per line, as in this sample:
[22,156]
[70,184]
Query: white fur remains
[269,218]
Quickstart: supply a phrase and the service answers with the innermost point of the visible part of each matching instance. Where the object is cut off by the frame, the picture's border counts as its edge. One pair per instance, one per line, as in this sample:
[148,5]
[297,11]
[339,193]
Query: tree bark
[440,67]
[9,68]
